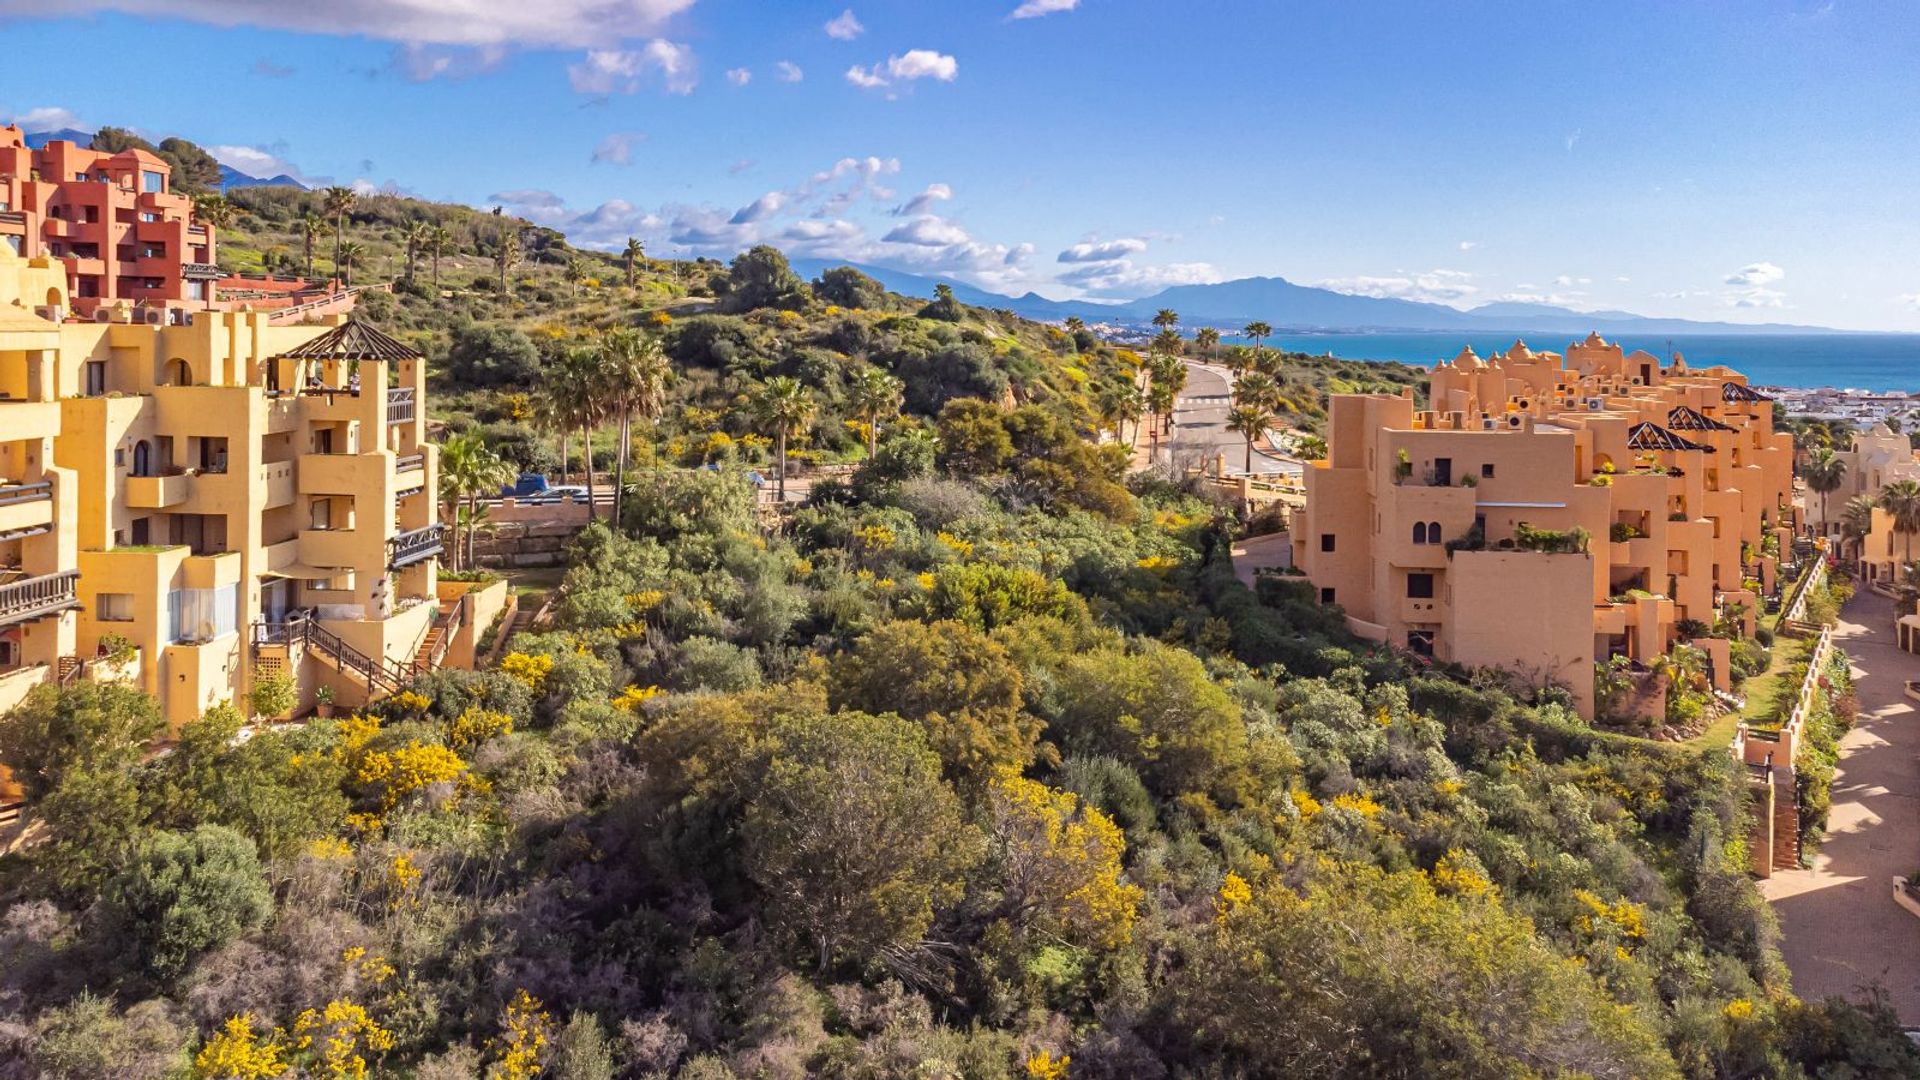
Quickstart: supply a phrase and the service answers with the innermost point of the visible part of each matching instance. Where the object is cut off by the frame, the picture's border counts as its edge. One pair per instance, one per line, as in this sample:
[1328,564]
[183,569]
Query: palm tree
[1169,377]
[875,394]
[417,234]
[468,469]
[634,253]
[580,403]
[439,239]
[312,227]
[1856,522]
[1208,339]
[1259,332]
[1256,388]
[344,258]
[1075,324]
[553,411]
[632,380]
[338,202]
[1901,501]
[1166,319]
[573,274]
[784,406]
[1824,472]
[507,257]
[214,210]
[1250,422]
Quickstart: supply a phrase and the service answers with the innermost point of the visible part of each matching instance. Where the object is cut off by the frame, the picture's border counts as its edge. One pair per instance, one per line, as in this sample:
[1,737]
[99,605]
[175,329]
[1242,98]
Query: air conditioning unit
[102,314]
[153,316]
[1489,423]
[1595,404]
[1514,421]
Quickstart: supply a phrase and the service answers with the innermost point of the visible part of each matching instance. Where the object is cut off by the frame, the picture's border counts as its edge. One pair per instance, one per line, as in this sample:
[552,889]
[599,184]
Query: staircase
[1786,821]
[382,677]
[433,647]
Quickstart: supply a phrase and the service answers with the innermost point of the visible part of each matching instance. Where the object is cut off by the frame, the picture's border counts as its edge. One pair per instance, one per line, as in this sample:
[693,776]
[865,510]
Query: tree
[346,254]
[1901,501]
[312,227]
[1824,472]
[573,274]
[214,211]
[1059,864]
[1166,319]
[849,288]
[507,256]
[469,468]
[1255,388]
[585,409]
[339,202]
[417,235]
[1249,422]
[182,894]
[88,726]
[874,394]
[633,374]
[491,354]
[194,171]
[954,681]
[1208,339]
[113,140]
[853,835]
[634,254]
[784,406]
[943,305]
[1259,332]
[1158,711]
[760,277]
[439,239]
[1856,522]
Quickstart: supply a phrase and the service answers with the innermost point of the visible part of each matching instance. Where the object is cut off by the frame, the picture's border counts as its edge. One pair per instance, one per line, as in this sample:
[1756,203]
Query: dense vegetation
[981,764]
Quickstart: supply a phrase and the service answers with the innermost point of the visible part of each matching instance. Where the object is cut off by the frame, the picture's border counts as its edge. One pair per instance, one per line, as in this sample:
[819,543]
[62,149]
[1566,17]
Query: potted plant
[323,702]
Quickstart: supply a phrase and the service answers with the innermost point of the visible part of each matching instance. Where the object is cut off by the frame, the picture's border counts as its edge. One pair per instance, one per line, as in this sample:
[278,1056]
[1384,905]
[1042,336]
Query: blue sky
[1745,161]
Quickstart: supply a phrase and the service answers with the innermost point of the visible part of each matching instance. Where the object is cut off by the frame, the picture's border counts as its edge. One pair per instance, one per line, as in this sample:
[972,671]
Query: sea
[1877,362]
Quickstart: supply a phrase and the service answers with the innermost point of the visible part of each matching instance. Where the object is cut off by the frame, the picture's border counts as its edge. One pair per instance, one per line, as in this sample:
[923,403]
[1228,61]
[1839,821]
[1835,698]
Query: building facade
[112,220]
[1547,512]
[211,500]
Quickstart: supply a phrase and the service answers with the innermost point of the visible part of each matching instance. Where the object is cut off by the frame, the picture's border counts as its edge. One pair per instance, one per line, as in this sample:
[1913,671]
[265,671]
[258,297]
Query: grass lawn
[533,579]
[1760,691]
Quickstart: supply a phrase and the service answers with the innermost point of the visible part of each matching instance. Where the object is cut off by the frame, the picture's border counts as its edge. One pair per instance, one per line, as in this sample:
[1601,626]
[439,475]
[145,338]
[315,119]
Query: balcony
[158,492]
[194,271]
[330,548]
[342,474]
[277,477]
[417,545]
[33,598]
[25,506]
[400,405]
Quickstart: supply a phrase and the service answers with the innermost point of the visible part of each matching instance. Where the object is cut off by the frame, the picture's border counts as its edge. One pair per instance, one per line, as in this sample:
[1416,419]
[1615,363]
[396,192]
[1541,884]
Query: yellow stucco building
[1545,512]
[226,496]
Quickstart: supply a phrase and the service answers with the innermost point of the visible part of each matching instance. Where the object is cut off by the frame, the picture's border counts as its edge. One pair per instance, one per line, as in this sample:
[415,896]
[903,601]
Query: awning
[303,572]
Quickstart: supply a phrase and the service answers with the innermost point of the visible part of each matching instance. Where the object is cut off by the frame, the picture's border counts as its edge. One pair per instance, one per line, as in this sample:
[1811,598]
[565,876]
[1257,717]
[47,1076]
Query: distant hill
[231,178]
[39,139]
[1230,305]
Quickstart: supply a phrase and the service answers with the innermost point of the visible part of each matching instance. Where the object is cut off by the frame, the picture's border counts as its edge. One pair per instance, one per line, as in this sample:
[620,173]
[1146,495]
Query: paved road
[1200,426]
[1843,929]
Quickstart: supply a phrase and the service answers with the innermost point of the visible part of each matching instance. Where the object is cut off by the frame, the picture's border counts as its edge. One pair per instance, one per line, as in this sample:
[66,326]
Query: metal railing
[301,631]
[39,596]
[13,217]
[400,404]
[410,462]
[417,545]
[19,493]
[448,624]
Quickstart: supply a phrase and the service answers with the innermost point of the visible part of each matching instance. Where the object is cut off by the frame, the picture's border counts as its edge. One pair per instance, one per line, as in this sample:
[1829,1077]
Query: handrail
[19,493]
[448,624]
[410,462]
[303,631]
[400,404]
[42,595]
[416,545]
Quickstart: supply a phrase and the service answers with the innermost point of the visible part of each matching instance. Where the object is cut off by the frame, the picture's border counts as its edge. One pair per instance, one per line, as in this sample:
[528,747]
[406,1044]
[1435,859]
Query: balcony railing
[13,217]
[410,462]
[38,597]
[417,545]
[400,405]
[200,271]
[19,493]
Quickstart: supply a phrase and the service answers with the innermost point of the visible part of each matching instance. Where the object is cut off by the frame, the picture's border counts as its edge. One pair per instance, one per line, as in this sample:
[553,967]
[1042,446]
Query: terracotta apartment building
[1546,512]
[113,220]
[213,500]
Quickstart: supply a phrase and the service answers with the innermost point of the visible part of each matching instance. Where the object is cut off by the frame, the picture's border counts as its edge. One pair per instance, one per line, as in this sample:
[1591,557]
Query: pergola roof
[1682,418]
[1734,391]
[352,340]
[1645,436]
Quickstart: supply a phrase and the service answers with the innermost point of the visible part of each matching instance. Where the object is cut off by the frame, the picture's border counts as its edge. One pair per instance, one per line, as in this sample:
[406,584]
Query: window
[113,607]
[1420,532]
[202,614]
[149,216]
[1326,541]
[152,181]
[1433,532]
[1326,596]
[1419,586]
[1486,471]
[95,372]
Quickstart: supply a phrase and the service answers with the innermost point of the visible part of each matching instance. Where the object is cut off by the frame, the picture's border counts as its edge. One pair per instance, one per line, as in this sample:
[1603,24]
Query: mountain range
[1288,307]
[230,177]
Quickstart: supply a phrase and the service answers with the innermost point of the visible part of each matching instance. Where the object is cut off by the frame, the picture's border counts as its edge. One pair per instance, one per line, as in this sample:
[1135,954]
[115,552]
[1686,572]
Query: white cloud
[1572,138]
[844,27]
[548,24]
[739,76]
[928,230]
[422,63]
[1096,251]
[1567,281]
[1911,300]
[1756,274]
[1469,245]
[610,71]
[924,202]
[46,118]
[910,66]
[1121,279]
[1033,9]
[816,231]
[760,209]
[259,161]
[788,71]
[1756,298]
[1529,294]
[1432,286]
[617,148]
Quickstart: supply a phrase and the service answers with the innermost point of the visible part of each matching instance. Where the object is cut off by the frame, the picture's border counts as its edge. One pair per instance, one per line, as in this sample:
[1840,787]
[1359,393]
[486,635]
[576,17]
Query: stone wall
[513,544]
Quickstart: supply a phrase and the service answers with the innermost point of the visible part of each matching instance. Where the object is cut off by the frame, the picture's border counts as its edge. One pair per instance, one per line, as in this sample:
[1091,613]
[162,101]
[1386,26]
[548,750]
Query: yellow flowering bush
[475,726]
[355,733]
[1457,872]
[1305,803]
[646,600]
[1044,1066]
[1066,858]
[961,547]
[411,702]
[634,696]
[1158,562]
[532,670]
[1625,917]
[1359,804]
[1234,892]
[329,847]
[338,1037]
[235,1052]
[411,768]
[874,537]
[525,1030]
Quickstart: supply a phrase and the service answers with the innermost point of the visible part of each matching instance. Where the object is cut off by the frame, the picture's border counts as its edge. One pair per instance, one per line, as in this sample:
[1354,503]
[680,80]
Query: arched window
[1419,532]
[1433,532]
[179,372]
[142,458]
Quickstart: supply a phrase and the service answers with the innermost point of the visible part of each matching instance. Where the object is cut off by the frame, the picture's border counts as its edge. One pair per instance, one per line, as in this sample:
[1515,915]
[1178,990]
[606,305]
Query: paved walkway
[1259,552]
[1843,929]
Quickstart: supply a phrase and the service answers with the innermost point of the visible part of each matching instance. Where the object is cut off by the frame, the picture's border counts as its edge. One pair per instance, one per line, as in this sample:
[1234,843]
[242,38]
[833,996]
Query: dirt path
[1843,929]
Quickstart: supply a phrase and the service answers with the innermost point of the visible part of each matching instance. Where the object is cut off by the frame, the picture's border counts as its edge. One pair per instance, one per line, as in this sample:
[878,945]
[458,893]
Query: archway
[54,299]
[142,458]
[179,372]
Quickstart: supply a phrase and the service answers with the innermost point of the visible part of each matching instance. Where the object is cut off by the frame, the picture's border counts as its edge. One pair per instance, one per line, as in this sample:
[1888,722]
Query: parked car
[532,489]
